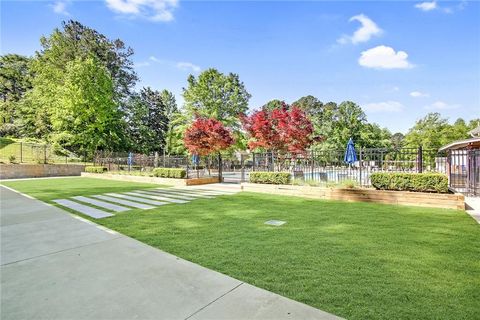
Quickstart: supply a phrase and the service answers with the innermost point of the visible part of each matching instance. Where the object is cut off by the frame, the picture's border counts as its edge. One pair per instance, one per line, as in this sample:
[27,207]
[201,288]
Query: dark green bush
[425,182]
[97,169]
[270,177]
[177,173]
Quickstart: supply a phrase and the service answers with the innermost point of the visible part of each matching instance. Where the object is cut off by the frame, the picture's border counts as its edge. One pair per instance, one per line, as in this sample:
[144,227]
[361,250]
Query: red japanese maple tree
[206,136]
[286,129]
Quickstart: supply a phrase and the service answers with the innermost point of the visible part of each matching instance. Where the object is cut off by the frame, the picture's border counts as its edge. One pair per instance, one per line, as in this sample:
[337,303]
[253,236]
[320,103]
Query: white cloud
[440,105]
[367,30]
[386,106]
[154,59]
[418,94]
[426,6]
[433,5]
[60,7]
[186,66]
[383,57]
[141,64]
[154,10]
[182,65]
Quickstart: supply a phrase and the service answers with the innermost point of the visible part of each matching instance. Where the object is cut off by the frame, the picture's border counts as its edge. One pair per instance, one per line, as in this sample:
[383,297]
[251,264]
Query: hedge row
[426,182]
[98,169]
[170,173]
[270,177]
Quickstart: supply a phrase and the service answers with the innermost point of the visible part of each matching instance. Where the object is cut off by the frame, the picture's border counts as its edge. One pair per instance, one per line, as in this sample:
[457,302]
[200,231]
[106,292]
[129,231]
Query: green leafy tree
[73,42]
[311,105]
[433,131]
[338,123]
[473,124]
[177,124]
[397,140]
[325,126]
[373,136]
[348,123]
[138,132]
[430,132]
[86,117]
[76,41]
[273,104]
[147,121]
[15,81]
[459,130]
[216,95]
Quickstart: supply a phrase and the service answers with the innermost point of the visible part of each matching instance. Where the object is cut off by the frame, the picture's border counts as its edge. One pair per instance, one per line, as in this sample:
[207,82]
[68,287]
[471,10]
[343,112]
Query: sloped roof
[459,144]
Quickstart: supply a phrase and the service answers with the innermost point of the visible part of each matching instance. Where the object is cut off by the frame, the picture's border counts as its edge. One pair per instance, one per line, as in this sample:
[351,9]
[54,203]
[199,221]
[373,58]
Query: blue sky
[398,60]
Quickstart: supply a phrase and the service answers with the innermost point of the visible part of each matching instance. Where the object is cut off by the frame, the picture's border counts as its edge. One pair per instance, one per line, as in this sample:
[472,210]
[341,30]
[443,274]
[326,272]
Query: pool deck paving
[55,265]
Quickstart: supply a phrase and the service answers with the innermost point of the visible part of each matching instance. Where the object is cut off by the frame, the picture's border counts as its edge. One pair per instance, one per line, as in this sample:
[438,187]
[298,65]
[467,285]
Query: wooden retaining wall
[199,181]
[156,180]
[132,178]
[423,199]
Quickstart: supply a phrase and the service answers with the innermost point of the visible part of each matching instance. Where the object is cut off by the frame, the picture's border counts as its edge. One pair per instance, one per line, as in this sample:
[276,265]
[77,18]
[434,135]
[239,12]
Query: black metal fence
[463,171]
[316,167]
[26,152]
[140,163]
[313,167]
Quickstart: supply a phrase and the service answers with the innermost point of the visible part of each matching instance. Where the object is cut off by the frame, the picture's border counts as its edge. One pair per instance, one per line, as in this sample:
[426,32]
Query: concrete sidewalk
[56,266]
[472,207]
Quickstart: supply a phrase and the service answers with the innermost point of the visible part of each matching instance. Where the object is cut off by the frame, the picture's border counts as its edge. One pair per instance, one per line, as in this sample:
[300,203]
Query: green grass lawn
[356,260]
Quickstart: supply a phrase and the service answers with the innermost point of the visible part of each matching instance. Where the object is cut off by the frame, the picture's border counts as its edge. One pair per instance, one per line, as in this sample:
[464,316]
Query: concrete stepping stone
[217,191]
[188,194]
[125,202]
[86,210]
[136,199]
[207,193]
[102,204]
[214,190]
[156,197]
[173,195]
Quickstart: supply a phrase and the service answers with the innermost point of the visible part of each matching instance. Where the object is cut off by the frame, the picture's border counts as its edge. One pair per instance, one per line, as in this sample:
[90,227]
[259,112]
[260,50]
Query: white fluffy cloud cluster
[383,57]
[367,30]
[155,10]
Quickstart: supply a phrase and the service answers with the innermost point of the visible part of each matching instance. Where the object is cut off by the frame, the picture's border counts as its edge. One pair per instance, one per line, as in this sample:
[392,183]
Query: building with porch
[463,164]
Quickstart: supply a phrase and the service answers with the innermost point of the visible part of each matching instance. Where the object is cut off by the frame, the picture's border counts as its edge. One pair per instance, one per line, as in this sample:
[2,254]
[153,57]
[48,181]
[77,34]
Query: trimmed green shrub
[270,177]
[349,184]
[177,173]
[97,169]
[423,182]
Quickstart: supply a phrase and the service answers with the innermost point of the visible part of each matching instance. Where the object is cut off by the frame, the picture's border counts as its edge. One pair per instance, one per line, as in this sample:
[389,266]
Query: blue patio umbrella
[130,158]
[350,153]
[196,159]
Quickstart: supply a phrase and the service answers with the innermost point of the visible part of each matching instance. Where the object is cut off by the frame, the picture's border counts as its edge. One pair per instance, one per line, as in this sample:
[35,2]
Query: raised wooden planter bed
[423,199]
[199,181]
[156,180]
